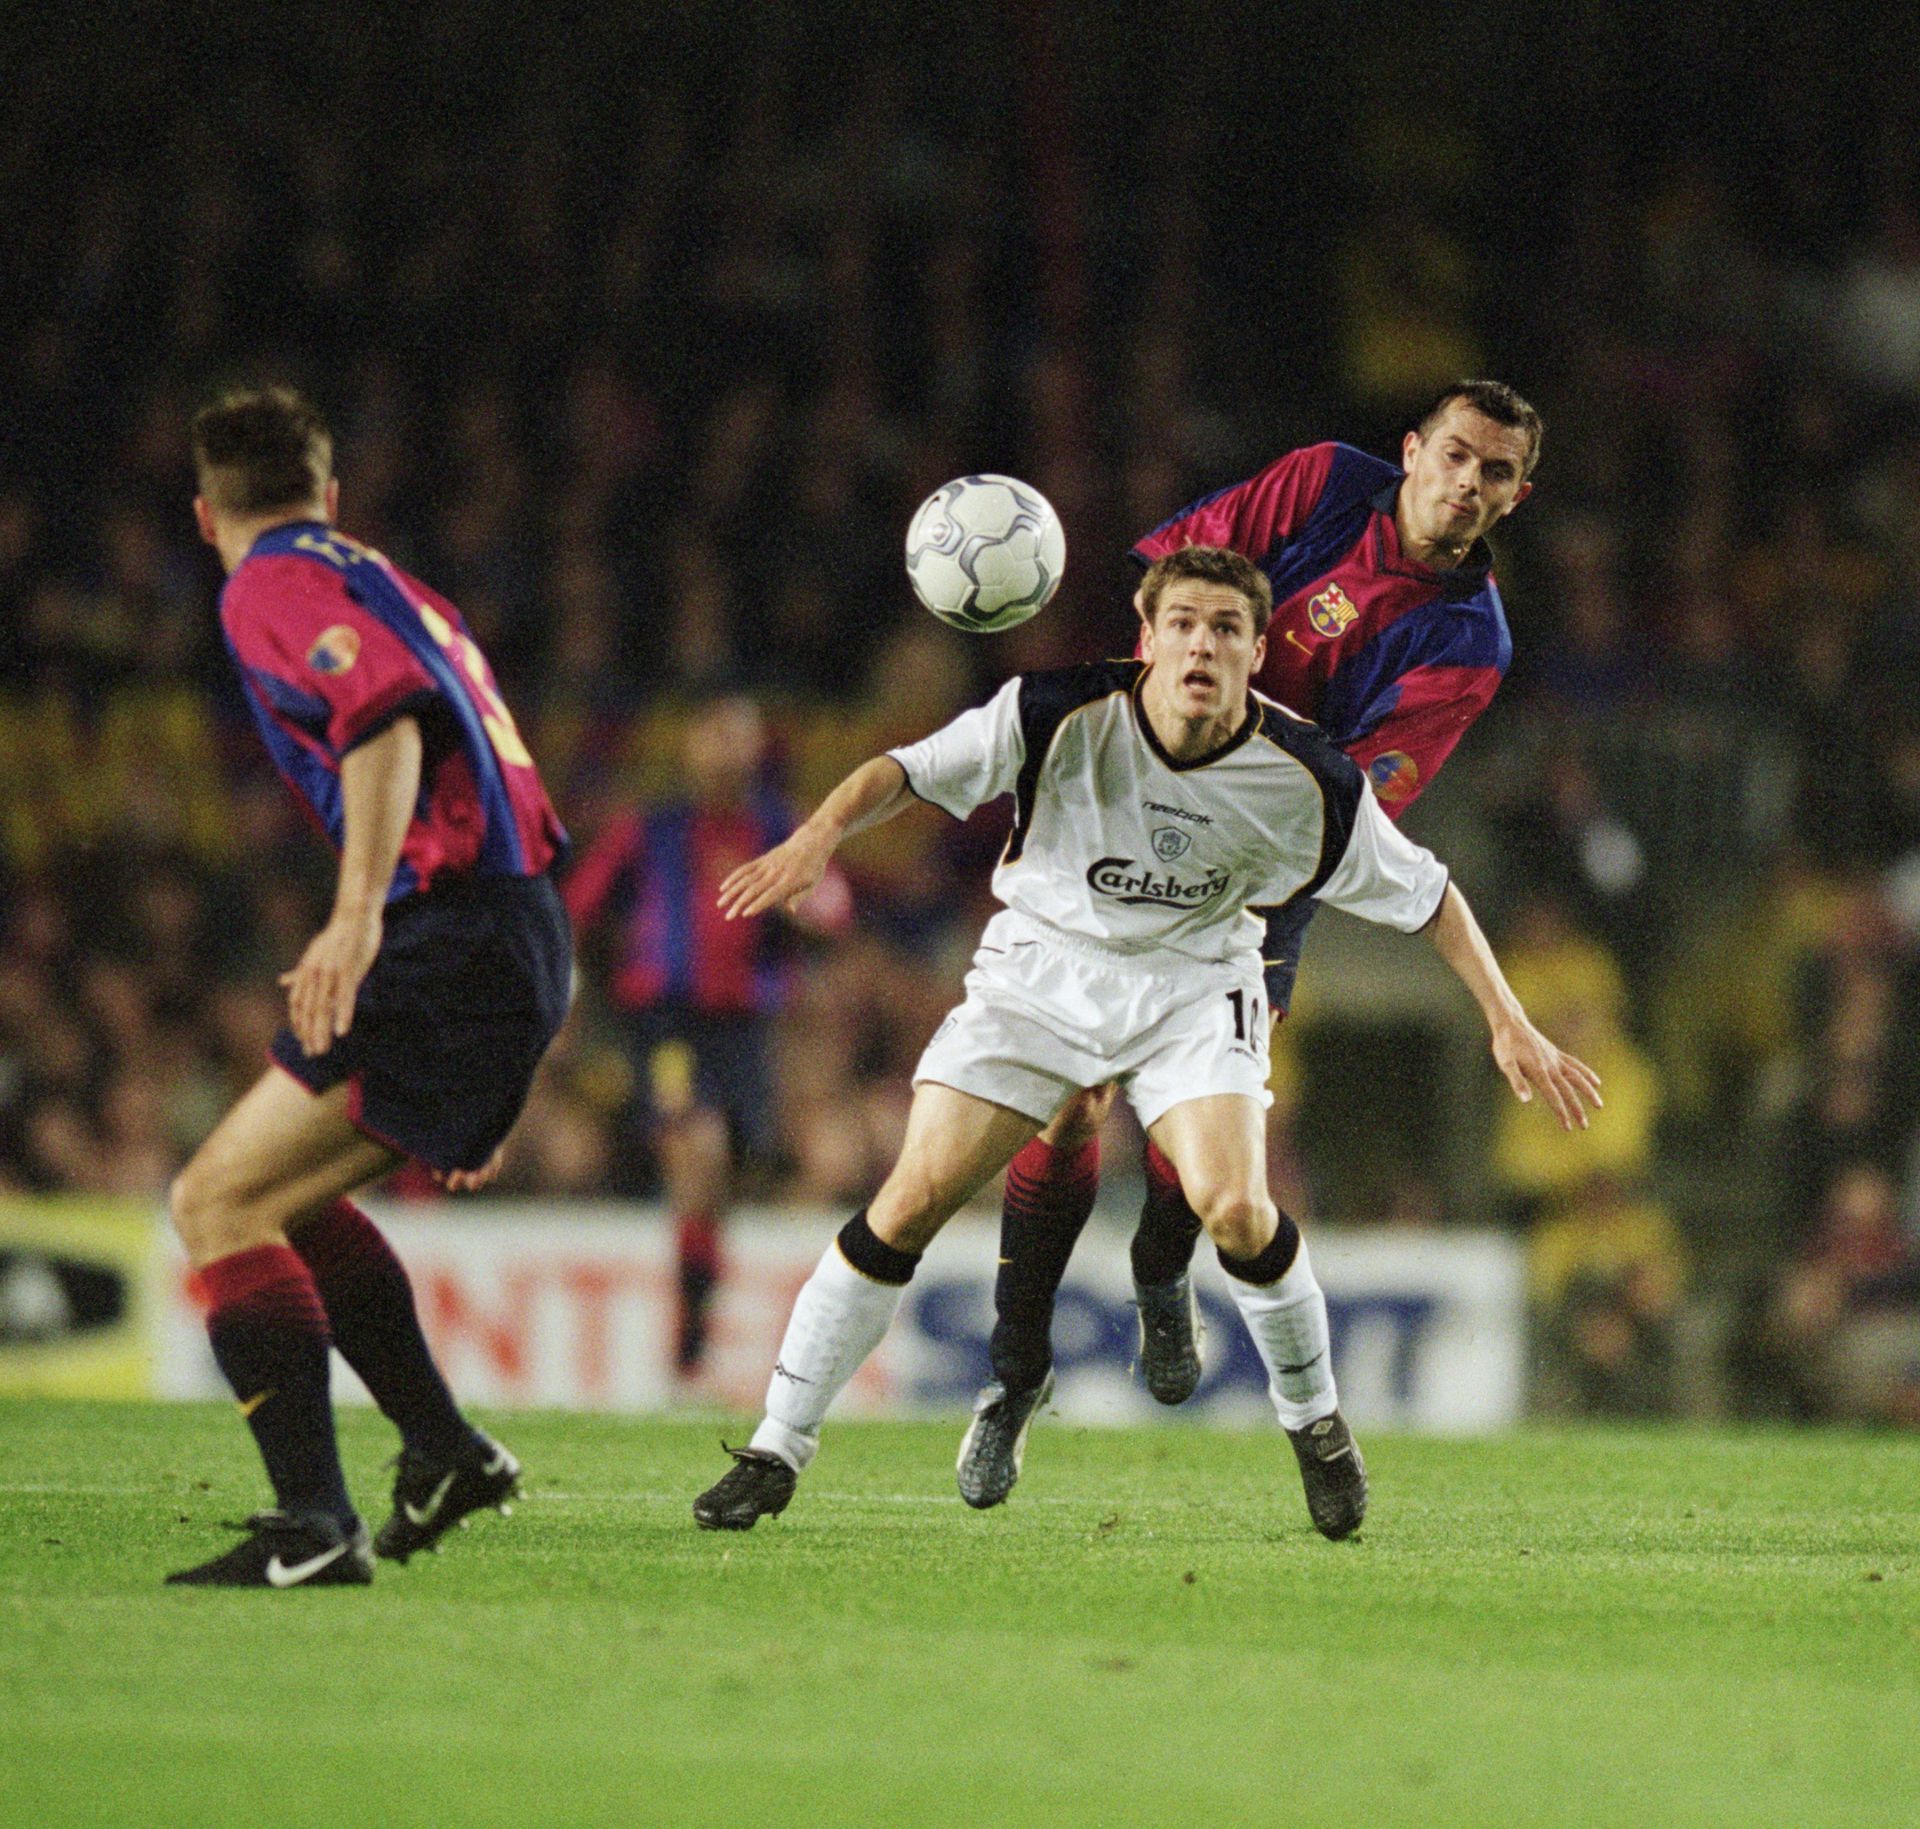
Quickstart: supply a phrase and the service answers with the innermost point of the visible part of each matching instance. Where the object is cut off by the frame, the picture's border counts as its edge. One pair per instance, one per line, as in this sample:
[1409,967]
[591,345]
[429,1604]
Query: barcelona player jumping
[1388,632]
[416,1016]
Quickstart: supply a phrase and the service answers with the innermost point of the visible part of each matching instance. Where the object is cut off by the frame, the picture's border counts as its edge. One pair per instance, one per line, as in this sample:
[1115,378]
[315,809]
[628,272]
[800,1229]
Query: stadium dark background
[644,328]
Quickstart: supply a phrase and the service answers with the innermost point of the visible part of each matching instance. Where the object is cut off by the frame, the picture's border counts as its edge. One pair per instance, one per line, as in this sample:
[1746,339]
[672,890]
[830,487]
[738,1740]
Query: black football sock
[269,1335]
[697,1246]
[1049,1197]
[370,1306]
[1169,1228]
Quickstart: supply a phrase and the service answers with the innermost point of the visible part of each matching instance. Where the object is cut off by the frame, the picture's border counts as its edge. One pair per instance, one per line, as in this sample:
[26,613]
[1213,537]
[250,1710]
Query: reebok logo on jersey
[1132,884]
[1160,806]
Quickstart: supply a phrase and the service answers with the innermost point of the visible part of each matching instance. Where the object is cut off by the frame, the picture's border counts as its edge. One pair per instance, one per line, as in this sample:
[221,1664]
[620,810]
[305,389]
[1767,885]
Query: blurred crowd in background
[642,342]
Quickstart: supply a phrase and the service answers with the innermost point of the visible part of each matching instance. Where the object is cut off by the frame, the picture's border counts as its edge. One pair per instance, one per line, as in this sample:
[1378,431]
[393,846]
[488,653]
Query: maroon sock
[369,1302]
[269,1335]
[1049,1197]
[1169,1228]
[698,1246]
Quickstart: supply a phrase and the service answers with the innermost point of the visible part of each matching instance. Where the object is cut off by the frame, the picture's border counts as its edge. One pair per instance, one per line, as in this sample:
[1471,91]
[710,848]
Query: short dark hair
[1210,565]
[257,449]
[1499,403]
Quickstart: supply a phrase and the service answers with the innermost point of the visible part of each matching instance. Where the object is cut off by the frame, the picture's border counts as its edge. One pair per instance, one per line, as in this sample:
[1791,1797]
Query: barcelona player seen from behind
[1388,631]
[416,1016]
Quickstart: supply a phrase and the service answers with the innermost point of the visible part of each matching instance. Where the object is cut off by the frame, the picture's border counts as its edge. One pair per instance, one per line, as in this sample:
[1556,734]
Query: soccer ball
[985,552]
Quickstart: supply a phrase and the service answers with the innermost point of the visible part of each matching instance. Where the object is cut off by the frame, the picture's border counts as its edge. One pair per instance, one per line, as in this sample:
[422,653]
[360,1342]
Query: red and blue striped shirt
[333,643]
[659,873]
[1393,659]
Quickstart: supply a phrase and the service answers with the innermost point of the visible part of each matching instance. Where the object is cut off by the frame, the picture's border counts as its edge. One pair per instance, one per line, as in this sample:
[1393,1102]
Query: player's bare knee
[1081,1119]
[705,1132]
[210,1222]
[190,1201]
[1240,1222]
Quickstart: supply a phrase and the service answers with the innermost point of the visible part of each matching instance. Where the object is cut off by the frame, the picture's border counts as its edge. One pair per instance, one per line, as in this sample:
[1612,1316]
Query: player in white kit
[1160,809]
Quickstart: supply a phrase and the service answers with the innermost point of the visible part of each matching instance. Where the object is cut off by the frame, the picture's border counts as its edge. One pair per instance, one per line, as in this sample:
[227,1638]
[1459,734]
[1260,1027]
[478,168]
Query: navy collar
[1248,725]
[282,536]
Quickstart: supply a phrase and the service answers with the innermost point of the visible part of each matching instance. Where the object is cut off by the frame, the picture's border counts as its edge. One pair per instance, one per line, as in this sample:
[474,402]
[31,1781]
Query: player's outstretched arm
[876,790]
[379,786]
[1530,1062]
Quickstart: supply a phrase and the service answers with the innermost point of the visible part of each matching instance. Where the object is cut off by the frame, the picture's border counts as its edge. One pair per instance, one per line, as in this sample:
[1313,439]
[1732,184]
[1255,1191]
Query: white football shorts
[1046,1015]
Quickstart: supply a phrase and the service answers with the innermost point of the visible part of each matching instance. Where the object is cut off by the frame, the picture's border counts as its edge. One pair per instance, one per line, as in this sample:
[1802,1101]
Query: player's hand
[779,878]
[322,988]
[826,910]
[1533,1064]
[471,1181]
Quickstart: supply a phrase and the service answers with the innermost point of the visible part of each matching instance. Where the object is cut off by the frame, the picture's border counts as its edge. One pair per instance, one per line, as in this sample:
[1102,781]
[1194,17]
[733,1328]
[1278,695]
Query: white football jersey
[1116,843]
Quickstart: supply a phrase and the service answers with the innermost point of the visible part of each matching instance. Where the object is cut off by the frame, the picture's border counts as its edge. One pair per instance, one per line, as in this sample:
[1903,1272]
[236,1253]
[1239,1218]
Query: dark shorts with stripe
[471,983]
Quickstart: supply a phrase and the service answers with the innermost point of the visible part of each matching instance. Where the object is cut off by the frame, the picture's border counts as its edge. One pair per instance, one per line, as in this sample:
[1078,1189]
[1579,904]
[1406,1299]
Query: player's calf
[268,1331]
[1162,1251]
[1162,1284]
[1281,1302]
[840,1315]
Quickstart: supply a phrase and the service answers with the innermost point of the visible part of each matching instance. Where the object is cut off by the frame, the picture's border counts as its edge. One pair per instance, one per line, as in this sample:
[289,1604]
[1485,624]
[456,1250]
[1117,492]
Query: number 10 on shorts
[1249,1016]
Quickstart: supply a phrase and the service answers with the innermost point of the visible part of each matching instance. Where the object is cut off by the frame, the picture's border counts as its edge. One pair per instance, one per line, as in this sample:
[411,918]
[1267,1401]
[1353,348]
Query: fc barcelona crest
[1170,842]
[1331,612]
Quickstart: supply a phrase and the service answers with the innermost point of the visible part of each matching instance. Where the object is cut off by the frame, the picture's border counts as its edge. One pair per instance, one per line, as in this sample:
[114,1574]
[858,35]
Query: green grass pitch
[1590,1626]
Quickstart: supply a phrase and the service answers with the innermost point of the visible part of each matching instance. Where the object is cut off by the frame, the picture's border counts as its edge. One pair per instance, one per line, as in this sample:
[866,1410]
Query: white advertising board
[572,1308]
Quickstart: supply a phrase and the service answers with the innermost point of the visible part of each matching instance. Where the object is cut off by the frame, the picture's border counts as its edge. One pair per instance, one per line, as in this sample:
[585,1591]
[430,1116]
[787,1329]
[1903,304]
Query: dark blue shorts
[471,983]
[724,1057]
[1280,954]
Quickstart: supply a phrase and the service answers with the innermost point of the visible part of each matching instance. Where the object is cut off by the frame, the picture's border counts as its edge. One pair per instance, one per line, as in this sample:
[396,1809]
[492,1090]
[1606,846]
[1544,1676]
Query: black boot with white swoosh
[288,1550]
[433,1493]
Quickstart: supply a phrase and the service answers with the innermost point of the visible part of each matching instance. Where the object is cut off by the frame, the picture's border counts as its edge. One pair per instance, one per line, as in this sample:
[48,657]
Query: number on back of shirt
[501,729]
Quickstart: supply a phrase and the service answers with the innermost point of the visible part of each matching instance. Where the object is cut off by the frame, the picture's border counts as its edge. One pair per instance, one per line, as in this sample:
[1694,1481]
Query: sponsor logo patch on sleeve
[335,650]
[1394,775]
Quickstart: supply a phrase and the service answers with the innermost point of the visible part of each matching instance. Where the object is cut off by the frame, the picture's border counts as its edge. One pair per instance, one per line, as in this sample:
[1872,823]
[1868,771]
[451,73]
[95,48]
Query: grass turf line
[1590,1626]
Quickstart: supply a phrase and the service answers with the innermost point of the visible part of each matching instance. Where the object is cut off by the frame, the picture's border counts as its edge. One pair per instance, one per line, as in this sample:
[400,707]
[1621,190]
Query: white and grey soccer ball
[985,552]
